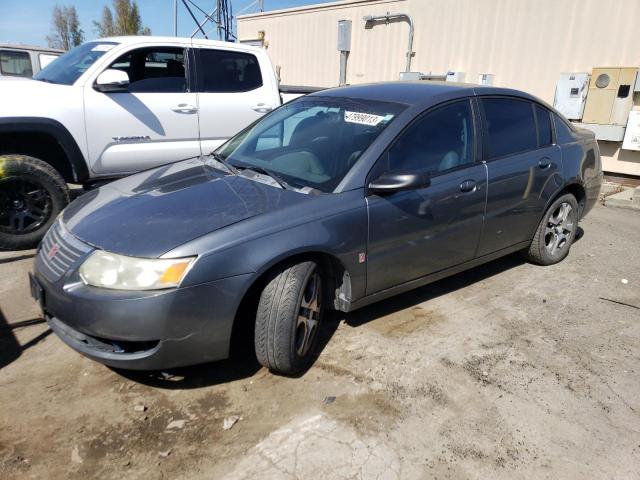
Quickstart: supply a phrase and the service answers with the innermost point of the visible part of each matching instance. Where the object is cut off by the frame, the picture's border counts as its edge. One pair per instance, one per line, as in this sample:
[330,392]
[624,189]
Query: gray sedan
[333,201]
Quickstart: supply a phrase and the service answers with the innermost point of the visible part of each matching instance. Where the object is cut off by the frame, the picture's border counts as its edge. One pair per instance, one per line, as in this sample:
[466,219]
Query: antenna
[220,18]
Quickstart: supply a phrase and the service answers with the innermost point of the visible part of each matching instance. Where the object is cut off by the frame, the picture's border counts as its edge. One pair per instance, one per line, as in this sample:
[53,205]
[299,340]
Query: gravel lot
[506,371]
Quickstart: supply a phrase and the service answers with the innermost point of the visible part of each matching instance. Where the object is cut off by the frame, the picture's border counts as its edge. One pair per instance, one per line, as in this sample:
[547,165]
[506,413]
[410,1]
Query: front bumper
[144,330]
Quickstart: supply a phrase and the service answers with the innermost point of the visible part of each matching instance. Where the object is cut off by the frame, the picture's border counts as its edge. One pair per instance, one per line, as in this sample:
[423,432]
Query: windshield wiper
[220,159]
[269,173]
[46,80]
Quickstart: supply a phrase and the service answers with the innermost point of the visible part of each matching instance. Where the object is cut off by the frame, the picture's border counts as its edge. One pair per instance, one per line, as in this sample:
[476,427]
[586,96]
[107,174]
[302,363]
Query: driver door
[418,232]
[153,123]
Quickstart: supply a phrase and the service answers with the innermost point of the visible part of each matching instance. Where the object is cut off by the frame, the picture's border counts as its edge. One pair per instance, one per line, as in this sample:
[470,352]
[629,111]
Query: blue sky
[29,21]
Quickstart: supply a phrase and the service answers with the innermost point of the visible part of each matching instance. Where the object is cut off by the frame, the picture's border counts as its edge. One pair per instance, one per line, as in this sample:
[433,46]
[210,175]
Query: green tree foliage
[124,19]
[65,28]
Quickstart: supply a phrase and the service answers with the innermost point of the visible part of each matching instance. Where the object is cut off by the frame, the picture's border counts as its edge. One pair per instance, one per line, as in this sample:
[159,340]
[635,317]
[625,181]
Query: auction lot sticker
[362,118]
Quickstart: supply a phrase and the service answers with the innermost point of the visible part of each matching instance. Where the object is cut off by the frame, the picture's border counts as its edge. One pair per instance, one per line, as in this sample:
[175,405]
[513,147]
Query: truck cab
[115,106]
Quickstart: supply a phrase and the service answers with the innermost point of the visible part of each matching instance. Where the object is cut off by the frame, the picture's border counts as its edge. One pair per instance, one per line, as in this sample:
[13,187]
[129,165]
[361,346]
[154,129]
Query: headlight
[109,270]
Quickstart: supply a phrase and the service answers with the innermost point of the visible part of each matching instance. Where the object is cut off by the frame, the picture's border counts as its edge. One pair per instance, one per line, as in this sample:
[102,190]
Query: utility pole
[175,18]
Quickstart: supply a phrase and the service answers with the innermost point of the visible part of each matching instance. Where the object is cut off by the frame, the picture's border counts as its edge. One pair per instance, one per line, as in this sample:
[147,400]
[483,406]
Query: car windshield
[66,69]
[311,142]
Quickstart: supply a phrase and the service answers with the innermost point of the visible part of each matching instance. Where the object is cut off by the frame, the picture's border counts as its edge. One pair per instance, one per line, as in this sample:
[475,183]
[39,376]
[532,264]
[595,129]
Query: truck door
[232,93]
[153,123]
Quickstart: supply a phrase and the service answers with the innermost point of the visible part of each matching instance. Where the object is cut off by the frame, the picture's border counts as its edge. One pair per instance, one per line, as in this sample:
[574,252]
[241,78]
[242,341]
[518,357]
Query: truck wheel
[289,313]
[32,194]
[556,232]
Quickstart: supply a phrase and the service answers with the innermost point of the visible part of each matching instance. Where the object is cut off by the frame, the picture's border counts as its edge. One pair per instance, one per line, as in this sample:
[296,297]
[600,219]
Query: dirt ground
[507,371]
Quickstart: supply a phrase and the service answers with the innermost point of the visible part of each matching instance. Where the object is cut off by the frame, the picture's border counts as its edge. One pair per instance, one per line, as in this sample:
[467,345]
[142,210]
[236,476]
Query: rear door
[415,233]
[232,93]
[154,123]
[524,169]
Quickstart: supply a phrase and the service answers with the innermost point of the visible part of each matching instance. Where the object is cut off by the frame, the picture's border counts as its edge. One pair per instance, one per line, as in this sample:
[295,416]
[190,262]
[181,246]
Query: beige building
[523,44]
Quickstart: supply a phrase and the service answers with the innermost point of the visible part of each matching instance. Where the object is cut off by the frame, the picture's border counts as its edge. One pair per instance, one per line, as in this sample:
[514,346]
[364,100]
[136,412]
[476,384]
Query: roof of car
[417,92]
[136,39]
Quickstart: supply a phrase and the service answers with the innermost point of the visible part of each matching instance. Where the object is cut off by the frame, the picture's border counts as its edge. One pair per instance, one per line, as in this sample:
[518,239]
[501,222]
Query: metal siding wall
[526,44]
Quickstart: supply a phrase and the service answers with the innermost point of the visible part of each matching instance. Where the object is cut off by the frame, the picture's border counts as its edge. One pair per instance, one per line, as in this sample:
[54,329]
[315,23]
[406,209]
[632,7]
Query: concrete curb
[629,198]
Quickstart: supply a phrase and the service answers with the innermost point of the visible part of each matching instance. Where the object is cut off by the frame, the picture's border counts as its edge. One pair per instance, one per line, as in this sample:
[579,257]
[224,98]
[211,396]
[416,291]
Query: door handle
[544,163]
[262,108]
[468,186]
[184,108]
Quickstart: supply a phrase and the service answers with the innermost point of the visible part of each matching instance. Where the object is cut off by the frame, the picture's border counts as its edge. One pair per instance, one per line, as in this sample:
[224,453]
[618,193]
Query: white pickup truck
[116,106]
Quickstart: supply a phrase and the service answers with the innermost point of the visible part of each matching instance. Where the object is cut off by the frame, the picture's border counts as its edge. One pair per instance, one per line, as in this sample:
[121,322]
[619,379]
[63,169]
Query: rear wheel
[556,232]
[288,317]
[32,194]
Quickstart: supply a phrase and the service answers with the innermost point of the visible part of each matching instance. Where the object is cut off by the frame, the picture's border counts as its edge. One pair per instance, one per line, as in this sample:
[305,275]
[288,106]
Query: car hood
[152,212]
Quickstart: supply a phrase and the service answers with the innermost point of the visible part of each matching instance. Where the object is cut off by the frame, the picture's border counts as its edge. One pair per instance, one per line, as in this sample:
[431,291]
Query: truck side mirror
[112,80]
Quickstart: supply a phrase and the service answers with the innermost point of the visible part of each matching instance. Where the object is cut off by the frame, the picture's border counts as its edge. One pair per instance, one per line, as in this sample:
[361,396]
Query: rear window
[15,63]
[544,126]
[563,132]
[224,71]
[511,126]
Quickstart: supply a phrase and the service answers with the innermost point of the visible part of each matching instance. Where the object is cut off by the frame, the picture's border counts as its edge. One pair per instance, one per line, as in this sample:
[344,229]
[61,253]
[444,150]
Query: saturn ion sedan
[333,201]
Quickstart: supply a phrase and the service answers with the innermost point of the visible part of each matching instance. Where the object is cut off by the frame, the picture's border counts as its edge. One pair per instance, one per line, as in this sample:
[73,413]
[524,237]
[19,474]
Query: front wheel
[32,194]
[556,232]
[288,317]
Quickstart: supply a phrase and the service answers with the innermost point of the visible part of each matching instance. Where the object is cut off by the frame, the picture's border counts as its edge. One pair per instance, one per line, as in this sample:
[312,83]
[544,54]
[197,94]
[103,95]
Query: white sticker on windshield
[362,118]
[103,47]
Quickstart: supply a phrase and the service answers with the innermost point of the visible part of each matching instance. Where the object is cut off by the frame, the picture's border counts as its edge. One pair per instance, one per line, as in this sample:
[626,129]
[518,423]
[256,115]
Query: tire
[285,343]
[32,194]
[555,233]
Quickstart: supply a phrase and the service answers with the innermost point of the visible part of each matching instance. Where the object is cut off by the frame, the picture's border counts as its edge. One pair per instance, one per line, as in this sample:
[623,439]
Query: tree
[65,28]
[105,27]
[123,20]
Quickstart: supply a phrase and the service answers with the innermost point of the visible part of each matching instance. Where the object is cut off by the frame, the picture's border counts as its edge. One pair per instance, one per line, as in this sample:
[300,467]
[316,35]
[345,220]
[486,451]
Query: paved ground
[507,371]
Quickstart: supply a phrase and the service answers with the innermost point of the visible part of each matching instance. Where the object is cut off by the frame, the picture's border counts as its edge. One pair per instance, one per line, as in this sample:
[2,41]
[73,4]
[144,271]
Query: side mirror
[112,80]
[397,181]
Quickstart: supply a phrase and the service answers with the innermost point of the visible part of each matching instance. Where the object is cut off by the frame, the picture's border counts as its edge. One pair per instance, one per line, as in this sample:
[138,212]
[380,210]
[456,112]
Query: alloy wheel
[560,228]
[24,206]
[308,314]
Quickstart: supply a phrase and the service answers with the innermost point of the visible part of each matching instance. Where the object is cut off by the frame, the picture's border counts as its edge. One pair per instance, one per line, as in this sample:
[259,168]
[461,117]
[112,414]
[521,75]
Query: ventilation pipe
[371,20]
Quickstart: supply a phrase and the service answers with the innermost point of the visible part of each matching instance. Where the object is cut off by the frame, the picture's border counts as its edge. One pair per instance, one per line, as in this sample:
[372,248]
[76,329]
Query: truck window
[15,63]
[154,70]
[224,71]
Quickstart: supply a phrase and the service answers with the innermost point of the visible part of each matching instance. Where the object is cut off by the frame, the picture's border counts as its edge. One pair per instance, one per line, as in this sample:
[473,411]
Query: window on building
[224,71]
[15,63]
[511,126]
[438,141]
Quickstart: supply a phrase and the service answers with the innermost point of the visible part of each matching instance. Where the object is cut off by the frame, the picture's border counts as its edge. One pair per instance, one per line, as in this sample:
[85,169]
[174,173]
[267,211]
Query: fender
[57,131]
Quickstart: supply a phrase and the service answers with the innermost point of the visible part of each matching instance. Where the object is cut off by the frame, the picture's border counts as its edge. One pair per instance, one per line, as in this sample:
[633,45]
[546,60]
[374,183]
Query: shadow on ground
[10,349]
[245,365]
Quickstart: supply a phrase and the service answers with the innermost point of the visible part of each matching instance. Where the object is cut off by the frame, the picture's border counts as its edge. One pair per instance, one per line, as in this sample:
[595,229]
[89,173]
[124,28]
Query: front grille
[58,251]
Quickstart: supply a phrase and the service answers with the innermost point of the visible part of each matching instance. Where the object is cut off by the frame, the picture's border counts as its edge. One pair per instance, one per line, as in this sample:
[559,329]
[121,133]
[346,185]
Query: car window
[312,141]
[511,126]
[563,132]
[15,63]
[224,71]
[46,58]
[154,70]
[544,126]
[438,141]
[280,134]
